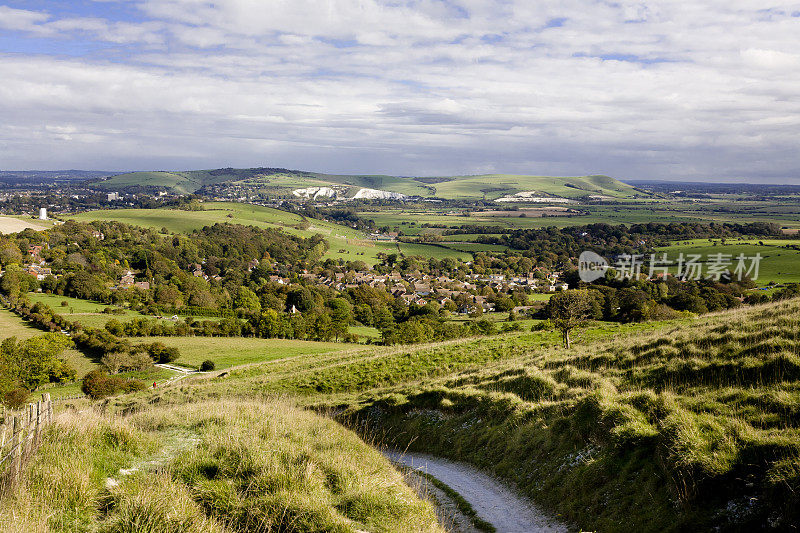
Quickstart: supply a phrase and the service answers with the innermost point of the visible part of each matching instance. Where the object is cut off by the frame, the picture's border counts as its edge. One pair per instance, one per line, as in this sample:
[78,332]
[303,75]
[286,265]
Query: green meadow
[88,313]
[234,351]
[778,264]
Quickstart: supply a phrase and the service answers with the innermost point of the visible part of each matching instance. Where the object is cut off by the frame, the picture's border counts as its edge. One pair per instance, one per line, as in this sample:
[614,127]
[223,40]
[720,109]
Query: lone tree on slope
[569,310]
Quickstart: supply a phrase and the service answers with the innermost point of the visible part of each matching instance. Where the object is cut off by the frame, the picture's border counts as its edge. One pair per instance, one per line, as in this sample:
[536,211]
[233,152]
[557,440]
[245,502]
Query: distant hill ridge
[280,181]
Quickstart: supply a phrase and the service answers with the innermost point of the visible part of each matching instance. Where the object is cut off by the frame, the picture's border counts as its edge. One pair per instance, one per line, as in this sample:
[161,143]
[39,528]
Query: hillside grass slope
[688,425]
[218,467]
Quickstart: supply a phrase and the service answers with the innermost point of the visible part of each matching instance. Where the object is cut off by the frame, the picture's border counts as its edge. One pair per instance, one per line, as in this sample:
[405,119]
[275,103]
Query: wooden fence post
[37,428]
[16,465]
[48,407]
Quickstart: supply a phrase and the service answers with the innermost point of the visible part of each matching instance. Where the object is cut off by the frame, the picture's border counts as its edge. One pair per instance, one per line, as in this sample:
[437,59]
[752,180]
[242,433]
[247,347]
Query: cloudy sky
[636,90]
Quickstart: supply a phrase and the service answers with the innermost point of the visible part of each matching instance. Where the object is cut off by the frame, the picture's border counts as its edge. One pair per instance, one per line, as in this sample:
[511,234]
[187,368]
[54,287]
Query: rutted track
[494,502]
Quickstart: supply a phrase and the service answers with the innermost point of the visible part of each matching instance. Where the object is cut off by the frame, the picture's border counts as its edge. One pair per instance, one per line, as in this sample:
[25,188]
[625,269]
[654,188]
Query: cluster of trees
[27,365]
[632,300]
[117,353]
[553,247]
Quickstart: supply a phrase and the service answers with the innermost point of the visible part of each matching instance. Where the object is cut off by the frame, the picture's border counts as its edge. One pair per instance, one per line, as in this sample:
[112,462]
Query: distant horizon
[740,180]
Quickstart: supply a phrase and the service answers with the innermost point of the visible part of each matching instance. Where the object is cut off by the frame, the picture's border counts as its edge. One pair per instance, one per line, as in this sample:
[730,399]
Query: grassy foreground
[674,426]
[687,425]
[210,467]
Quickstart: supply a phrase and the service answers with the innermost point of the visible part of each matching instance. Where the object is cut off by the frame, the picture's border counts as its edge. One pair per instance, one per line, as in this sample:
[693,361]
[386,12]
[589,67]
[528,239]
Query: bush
[161,353]
[207,365]
[64,303]
[15,398]
[97,384]
[117,362]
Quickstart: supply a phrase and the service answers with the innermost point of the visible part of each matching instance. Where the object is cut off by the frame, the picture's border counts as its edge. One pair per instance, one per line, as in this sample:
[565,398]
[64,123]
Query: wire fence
[20,437]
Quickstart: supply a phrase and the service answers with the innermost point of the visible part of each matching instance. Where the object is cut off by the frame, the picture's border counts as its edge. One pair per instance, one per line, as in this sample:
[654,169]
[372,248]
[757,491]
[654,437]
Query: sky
[636,90]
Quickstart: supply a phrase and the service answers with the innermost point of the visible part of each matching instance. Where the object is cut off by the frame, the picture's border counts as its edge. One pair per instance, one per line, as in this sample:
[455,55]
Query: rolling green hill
[283,182]
[493,186]
[345,242]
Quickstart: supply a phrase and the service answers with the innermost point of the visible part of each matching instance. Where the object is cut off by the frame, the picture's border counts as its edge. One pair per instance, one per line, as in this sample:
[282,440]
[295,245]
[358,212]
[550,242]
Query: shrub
[115,361]
[207,365]
[161,353]
[97,384]
[133,385]
[64,303]
[15,398]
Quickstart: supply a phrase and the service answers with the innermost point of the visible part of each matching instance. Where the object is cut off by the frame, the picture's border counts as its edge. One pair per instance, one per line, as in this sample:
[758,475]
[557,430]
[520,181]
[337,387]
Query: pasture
[83,311]
[494,186]
[227,351]
[778,264]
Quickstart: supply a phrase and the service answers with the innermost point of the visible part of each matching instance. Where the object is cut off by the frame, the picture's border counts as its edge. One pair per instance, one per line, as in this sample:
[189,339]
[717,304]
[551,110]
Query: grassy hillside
[658,427]
[345,243]
[219,467]
[678,429]
[282,182]
[88,313]
[493,186]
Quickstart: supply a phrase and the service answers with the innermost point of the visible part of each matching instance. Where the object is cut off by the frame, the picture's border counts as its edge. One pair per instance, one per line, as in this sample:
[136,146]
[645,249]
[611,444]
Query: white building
[113,196]
[42,213]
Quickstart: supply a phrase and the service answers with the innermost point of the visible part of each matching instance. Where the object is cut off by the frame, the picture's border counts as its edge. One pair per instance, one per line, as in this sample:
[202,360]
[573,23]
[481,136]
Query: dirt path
[492,500]
[175,443]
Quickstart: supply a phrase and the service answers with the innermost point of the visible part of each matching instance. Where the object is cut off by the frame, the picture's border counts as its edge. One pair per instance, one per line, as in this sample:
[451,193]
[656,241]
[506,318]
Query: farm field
[493,186]
[13,326]
[15,224]
[365,332]
[227,352]
[473,247]
[83,311]
[345,243]
[777,264]
[411,220]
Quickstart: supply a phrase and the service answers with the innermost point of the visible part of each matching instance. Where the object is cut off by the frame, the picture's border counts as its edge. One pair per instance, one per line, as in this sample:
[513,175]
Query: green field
[227,352]
[411,219]
[345,243]
[365,332]
[13,326]
[778,264]
[83,311]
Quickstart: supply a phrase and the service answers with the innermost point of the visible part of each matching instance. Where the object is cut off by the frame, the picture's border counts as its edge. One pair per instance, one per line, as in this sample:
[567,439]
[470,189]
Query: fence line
[20,437]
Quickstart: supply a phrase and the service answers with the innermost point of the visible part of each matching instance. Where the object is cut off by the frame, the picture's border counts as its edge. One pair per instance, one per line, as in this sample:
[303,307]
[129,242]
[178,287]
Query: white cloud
[20,19]
[665,89]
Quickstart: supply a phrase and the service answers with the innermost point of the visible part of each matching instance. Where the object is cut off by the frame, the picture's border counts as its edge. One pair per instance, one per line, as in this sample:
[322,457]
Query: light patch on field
[15,225]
